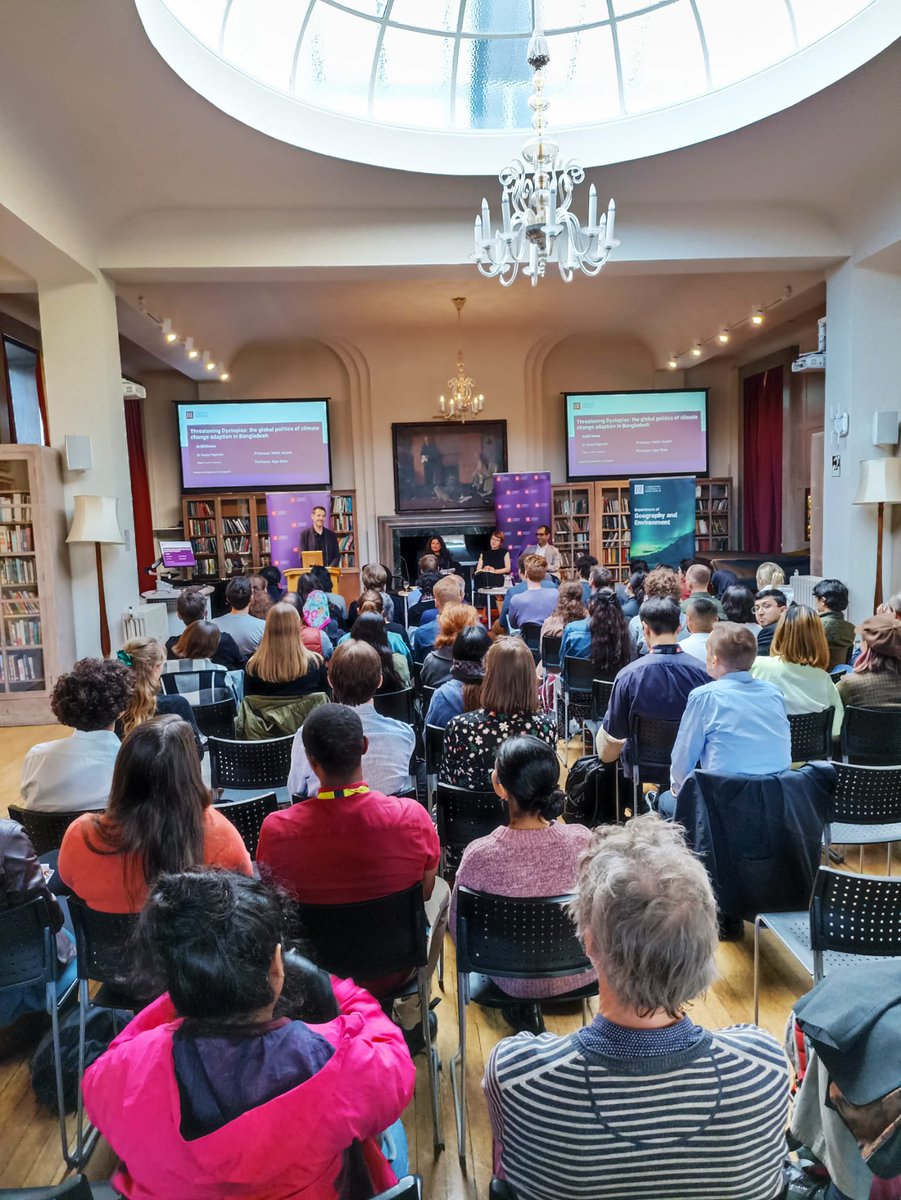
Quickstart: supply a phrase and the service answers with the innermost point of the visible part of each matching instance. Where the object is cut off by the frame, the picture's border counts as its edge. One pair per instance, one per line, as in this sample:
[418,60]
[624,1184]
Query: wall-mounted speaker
[79,452]
[885,428]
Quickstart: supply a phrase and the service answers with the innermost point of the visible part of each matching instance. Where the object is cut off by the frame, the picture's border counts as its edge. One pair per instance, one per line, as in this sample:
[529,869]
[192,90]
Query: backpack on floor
[101,1026]
[590,793]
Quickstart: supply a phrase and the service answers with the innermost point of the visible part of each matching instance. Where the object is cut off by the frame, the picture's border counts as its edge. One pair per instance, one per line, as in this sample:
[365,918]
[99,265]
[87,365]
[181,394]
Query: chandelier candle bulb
[592,208]
[486,220]
[505,214]
[477,234]
[611,217]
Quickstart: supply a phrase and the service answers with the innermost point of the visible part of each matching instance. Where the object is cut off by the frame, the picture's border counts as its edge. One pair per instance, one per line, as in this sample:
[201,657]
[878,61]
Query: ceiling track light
[697,350]
[673,362]
[724,335]
[190,349]
[225,377]
[168,332]
[758,316]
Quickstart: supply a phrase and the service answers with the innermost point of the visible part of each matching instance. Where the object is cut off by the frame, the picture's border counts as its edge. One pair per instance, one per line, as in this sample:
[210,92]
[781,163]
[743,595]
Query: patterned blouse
[472,740]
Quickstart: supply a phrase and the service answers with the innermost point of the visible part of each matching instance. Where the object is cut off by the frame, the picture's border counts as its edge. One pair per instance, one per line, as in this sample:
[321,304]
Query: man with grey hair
[642,1103]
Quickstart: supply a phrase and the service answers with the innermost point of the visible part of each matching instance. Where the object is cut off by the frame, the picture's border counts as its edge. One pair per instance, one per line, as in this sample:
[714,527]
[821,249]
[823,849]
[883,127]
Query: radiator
[146,620]
[802,588]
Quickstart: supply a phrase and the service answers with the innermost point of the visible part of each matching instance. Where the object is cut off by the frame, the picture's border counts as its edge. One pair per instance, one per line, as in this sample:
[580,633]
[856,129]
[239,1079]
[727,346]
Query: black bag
[591,793]
[100,1027]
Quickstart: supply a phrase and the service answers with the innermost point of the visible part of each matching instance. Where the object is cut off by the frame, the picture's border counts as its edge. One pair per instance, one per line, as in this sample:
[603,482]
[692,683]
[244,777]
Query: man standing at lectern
[318,537]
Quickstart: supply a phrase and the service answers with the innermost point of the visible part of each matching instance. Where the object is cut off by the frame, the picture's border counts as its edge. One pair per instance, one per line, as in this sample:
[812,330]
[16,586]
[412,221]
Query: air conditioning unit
[133,391]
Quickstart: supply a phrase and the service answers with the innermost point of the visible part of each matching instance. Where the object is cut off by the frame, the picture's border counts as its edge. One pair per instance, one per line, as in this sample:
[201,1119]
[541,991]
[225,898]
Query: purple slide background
[289,514]
[522,502]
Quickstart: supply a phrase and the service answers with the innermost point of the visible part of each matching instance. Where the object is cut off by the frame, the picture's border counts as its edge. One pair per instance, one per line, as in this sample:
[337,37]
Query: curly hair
[569,602]
[611,647]
[661,584]
[92,694]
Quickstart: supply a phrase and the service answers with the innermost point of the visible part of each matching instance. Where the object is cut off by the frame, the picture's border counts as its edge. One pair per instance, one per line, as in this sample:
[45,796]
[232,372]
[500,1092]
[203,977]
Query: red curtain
[140,490]
[762,474]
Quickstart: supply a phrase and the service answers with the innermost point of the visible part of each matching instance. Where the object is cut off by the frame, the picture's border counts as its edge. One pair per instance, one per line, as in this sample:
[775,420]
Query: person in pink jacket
[207,1092]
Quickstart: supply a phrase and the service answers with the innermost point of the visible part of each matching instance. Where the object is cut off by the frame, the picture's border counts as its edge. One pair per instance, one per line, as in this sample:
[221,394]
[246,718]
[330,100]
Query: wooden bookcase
[37,641]
[343,521]
[229,533]
[572,506]
[713,516]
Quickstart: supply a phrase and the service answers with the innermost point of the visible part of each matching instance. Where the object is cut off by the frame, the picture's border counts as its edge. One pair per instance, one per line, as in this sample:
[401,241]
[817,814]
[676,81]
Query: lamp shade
[880,481]
[95,520]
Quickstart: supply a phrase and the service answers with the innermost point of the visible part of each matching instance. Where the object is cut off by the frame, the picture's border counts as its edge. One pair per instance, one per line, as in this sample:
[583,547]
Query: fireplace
[403,539]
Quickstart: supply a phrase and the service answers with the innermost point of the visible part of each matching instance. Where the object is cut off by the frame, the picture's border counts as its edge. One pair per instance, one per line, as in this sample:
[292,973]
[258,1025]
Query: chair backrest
[550,652]
[855,914]
[248,816]
[872,736]
[651,742]
[601,691]
[45,829]
[77,1187]
[182,677]
[408,1188]
[263,764]
[103,942]
[426,693]
[26,945]
[398,705]
[516,937]
[865,795]
[464,816]
[578,674]
[531,635]
[811,735]
[434,748]
[368,938]
[216,720]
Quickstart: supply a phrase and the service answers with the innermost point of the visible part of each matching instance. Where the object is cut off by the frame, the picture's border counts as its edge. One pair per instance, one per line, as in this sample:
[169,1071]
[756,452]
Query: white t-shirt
[696,644]
[73,774]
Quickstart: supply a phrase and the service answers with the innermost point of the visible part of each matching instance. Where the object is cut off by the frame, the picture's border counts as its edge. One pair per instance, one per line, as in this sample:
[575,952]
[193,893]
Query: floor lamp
[95,520]
[880,484]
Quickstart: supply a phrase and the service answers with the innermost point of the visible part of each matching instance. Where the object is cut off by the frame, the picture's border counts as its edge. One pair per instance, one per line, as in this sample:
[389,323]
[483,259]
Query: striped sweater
[614,1114]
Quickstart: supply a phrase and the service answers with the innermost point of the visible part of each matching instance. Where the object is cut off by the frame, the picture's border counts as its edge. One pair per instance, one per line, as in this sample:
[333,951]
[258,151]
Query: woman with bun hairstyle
[533,855]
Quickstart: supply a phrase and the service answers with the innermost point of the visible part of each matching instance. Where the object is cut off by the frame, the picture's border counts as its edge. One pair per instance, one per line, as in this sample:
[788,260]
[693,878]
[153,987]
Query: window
[24,391]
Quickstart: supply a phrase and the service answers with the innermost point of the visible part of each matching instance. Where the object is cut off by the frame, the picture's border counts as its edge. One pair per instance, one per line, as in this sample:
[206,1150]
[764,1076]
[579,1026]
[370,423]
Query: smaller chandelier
[537,226]
[461,402]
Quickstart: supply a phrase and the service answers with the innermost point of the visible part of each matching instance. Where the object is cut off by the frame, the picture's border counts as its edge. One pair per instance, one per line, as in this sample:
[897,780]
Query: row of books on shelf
[346,543]
[201,528]
[204,545]
[342,504]
[24,667]
[206,566]
[21,602]
[235,525]
[621,522]
[713,506]
[200,508]
[16,539]
[23,633]
[17,570]
[713,489]
[616,506]
[15,507]
[565,508]
[236,545]
[718,527]
[613,556]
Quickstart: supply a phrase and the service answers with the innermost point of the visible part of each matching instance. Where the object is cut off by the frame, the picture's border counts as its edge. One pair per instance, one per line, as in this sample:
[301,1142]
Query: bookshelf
[37,642]
[572,505]
[713,516]
[344,522]
[612,500]
[229,533]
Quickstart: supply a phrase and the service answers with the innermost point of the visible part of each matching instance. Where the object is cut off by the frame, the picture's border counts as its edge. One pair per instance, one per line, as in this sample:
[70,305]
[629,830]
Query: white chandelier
[537,226]
[462,400]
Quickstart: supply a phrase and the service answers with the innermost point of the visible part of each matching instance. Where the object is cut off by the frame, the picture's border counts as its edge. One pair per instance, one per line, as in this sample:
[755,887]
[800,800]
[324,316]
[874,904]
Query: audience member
[454,619]
[350,842]
[721,581]
[315,619]
[830,602]
[697,580]
[502,624]
[160,818]
[282,665]
[373,602]
[534,603]
[273,578]
[448,590]
[74,774]
[735,725]
[701,617]
[655,686]
[373,578]
[260,600]
[603,636]
[147,657]
[584,566]
[642,1103]
[355,675]
[247,631]
[634,594]
[201,1089]
[660,584]
[892,608]
[191,606]
[738,605]
[427,578]
[509,706]
[876,679]
[797,664]
[769,606]
[192,670]
[770,575]
[577,634]
[310,584]
[534,855]
[545,549]
[437,547]
[569,608]
[462,692]
[22,880]
[370,627]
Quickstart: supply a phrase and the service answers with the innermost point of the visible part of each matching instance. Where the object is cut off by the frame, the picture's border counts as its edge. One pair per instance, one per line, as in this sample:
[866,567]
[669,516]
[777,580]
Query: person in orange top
[159,819]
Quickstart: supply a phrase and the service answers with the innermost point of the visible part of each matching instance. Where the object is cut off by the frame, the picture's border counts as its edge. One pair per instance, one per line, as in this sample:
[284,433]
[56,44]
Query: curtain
[140,490]
[762,474]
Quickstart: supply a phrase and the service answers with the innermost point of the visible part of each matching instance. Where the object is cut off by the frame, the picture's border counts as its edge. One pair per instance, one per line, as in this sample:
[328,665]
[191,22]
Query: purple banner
[289,514]
[522,502]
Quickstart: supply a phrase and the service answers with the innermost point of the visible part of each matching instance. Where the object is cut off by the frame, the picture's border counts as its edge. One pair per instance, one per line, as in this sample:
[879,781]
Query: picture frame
[447,466]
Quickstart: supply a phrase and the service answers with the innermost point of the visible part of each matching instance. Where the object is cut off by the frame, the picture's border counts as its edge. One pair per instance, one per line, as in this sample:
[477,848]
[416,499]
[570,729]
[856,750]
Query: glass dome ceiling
[459,66]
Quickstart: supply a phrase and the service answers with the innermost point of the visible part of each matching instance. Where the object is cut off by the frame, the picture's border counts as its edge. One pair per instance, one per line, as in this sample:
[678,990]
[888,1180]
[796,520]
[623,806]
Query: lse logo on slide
[639,489]
[189,415]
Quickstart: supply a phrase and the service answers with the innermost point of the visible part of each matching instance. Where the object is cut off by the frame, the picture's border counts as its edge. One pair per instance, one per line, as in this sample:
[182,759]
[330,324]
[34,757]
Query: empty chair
[651,742]
[531,635]
[241,768]
[433,741]
[578,685]
[872,736]
[463,816]
[811,735]
[408,1188]
[601,691]
[248,816]
[511,938]
[398,705]
[45,829]
[550,653]
[865,808]
[216,719]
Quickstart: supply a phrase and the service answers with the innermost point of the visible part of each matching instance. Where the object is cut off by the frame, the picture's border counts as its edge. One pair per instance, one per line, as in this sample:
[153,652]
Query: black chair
[578,685]
[464,816]
[103,942]
[550,653]
[251,767]
[75,1188]
[28,957]
[216,720]
[500,1189]
[864,809]
[408,1188]
[651,744]
[513,938]
[811,735]
[433,741]
[398,705]
[45,829]
[370,939]
[601,691]
[248,816]
[871,737]
[426,694]
[209,679]
[531,635]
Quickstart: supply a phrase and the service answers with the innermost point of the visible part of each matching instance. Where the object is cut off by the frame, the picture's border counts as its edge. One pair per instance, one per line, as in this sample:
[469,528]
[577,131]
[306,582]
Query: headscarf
[316,612]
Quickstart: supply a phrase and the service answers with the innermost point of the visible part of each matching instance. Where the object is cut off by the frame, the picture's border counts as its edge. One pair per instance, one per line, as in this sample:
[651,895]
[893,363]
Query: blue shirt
[424,639]
[504,618]
[734,726]
[395,641]
[446,703]
[387,761]
[576,640]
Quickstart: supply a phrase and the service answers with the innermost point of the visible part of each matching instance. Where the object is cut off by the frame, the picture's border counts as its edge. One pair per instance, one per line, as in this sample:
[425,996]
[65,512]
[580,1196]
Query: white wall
[161,442]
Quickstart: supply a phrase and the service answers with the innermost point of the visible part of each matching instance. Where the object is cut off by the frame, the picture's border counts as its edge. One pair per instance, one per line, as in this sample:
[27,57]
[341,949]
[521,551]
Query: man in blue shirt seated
[735,725]
[448,590]
[535,604]
[577,635]
[502,624]
[656,686]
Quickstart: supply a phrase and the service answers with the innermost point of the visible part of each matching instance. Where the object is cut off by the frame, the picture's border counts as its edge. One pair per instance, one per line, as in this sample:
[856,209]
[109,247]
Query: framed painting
[446,467]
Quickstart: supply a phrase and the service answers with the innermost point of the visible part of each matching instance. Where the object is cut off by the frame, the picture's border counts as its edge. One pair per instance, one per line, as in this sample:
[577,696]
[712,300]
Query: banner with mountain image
[663,519]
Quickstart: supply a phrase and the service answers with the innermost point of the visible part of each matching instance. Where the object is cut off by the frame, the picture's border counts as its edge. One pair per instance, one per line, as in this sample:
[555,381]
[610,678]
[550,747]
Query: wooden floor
[29,1140]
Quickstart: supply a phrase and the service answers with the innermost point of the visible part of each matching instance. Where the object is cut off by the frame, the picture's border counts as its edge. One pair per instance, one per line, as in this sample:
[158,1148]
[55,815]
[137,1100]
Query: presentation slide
[617,434]
[254,444]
